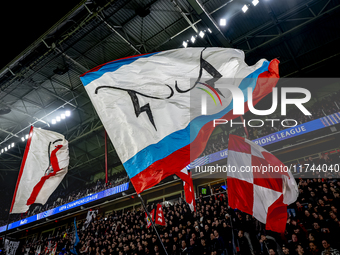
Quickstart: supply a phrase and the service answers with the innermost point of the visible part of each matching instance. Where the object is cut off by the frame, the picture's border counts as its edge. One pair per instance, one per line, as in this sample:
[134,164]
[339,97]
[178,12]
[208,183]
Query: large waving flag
[144,103]
[43,167]
[259,185]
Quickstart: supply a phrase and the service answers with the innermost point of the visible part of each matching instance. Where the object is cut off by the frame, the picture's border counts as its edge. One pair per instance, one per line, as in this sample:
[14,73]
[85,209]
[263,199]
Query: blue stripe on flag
[181,138]
[110,67]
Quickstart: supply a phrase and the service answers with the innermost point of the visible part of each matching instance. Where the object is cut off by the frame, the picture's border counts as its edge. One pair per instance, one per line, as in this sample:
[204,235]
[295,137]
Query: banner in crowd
[89,217]
[44,165]
[144,103]
[75,239]
[65,207]
[159,215]
[148,220]
[12,247]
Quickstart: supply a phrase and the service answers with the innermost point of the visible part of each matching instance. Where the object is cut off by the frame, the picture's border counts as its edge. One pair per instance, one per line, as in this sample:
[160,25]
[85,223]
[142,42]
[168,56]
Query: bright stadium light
[193,39]
[201,34]
[209,30]
[26,136]
[54,121]
[67,113]
[5,148]
[245,8]
[58,118]
[9,146]
[2,150]
[62,116]
[223,22]
[12,145]
[23,139]
[255,2]
[185,44]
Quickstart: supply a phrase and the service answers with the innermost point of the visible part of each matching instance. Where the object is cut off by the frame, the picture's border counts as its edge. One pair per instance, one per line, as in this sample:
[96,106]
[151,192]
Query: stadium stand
[312,228]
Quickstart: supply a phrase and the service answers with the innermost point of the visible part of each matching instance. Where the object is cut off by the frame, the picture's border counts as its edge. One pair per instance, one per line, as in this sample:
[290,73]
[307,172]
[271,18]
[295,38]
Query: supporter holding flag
[44,165]
[263,194]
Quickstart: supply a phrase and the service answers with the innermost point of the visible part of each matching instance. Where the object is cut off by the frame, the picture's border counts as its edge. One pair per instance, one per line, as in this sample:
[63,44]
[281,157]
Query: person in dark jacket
[243,243]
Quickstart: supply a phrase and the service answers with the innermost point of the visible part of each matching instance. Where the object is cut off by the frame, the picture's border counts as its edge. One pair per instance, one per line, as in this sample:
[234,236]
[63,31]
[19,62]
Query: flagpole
[153,225]
[105,158]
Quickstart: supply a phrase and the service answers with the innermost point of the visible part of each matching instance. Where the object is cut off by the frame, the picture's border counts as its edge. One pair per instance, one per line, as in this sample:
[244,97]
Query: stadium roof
[43,81]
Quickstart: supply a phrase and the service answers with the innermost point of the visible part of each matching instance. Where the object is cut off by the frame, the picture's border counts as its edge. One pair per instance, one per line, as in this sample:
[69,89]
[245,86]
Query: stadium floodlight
[67,113]
[185,44]
[9,146]
[201,34]
[223,22]
[58,118]
[209,30]
[13,144]
[26,136]
[2,150]
[193,39]
[54,121]
[245,8]
[5,148]
[23,139]
[62,116]
[255,2]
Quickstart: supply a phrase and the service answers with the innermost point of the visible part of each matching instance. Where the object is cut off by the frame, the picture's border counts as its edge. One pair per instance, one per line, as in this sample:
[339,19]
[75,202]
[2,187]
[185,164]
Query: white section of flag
[36,164]
[148,76]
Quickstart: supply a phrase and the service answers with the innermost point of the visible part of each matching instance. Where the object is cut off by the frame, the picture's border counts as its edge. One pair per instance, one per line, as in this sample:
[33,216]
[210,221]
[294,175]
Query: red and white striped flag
[44,165]
[148,221]
[160,216]
[259,183]
[188,185]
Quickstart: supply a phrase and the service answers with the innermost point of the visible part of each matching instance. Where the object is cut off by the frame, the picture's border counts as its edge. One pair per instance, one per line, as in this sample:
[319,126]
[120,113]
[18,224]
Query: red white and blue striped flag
[144,103]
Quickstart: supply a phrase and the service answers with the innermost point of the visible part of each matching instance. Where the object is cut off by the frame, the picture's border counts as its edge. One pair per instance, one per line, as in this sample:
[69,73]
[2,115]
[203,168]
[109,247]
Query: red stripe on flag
[40,184]
[28,144]
[179,159]
[277,216]
[269,180]
[243,201]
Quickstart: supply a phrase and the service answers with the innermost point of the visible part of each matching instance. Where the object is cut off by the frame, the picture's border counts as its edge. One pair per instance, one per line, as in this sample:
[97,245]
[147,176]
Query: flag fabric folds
[144,104]
[259,185]
[44,165]
[76,238]
[159,216]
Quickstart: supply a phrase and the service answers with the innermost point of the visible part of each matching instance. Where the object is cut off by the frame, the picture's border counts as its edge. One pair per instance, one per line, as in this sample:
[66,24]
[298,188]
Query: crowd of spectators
[62,196]
[313,228]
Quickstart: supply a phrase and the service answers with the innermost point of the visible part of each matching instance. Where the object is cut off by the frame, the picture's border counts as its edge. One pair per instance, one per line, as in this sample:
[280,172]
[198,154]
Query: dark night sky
[23,22]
